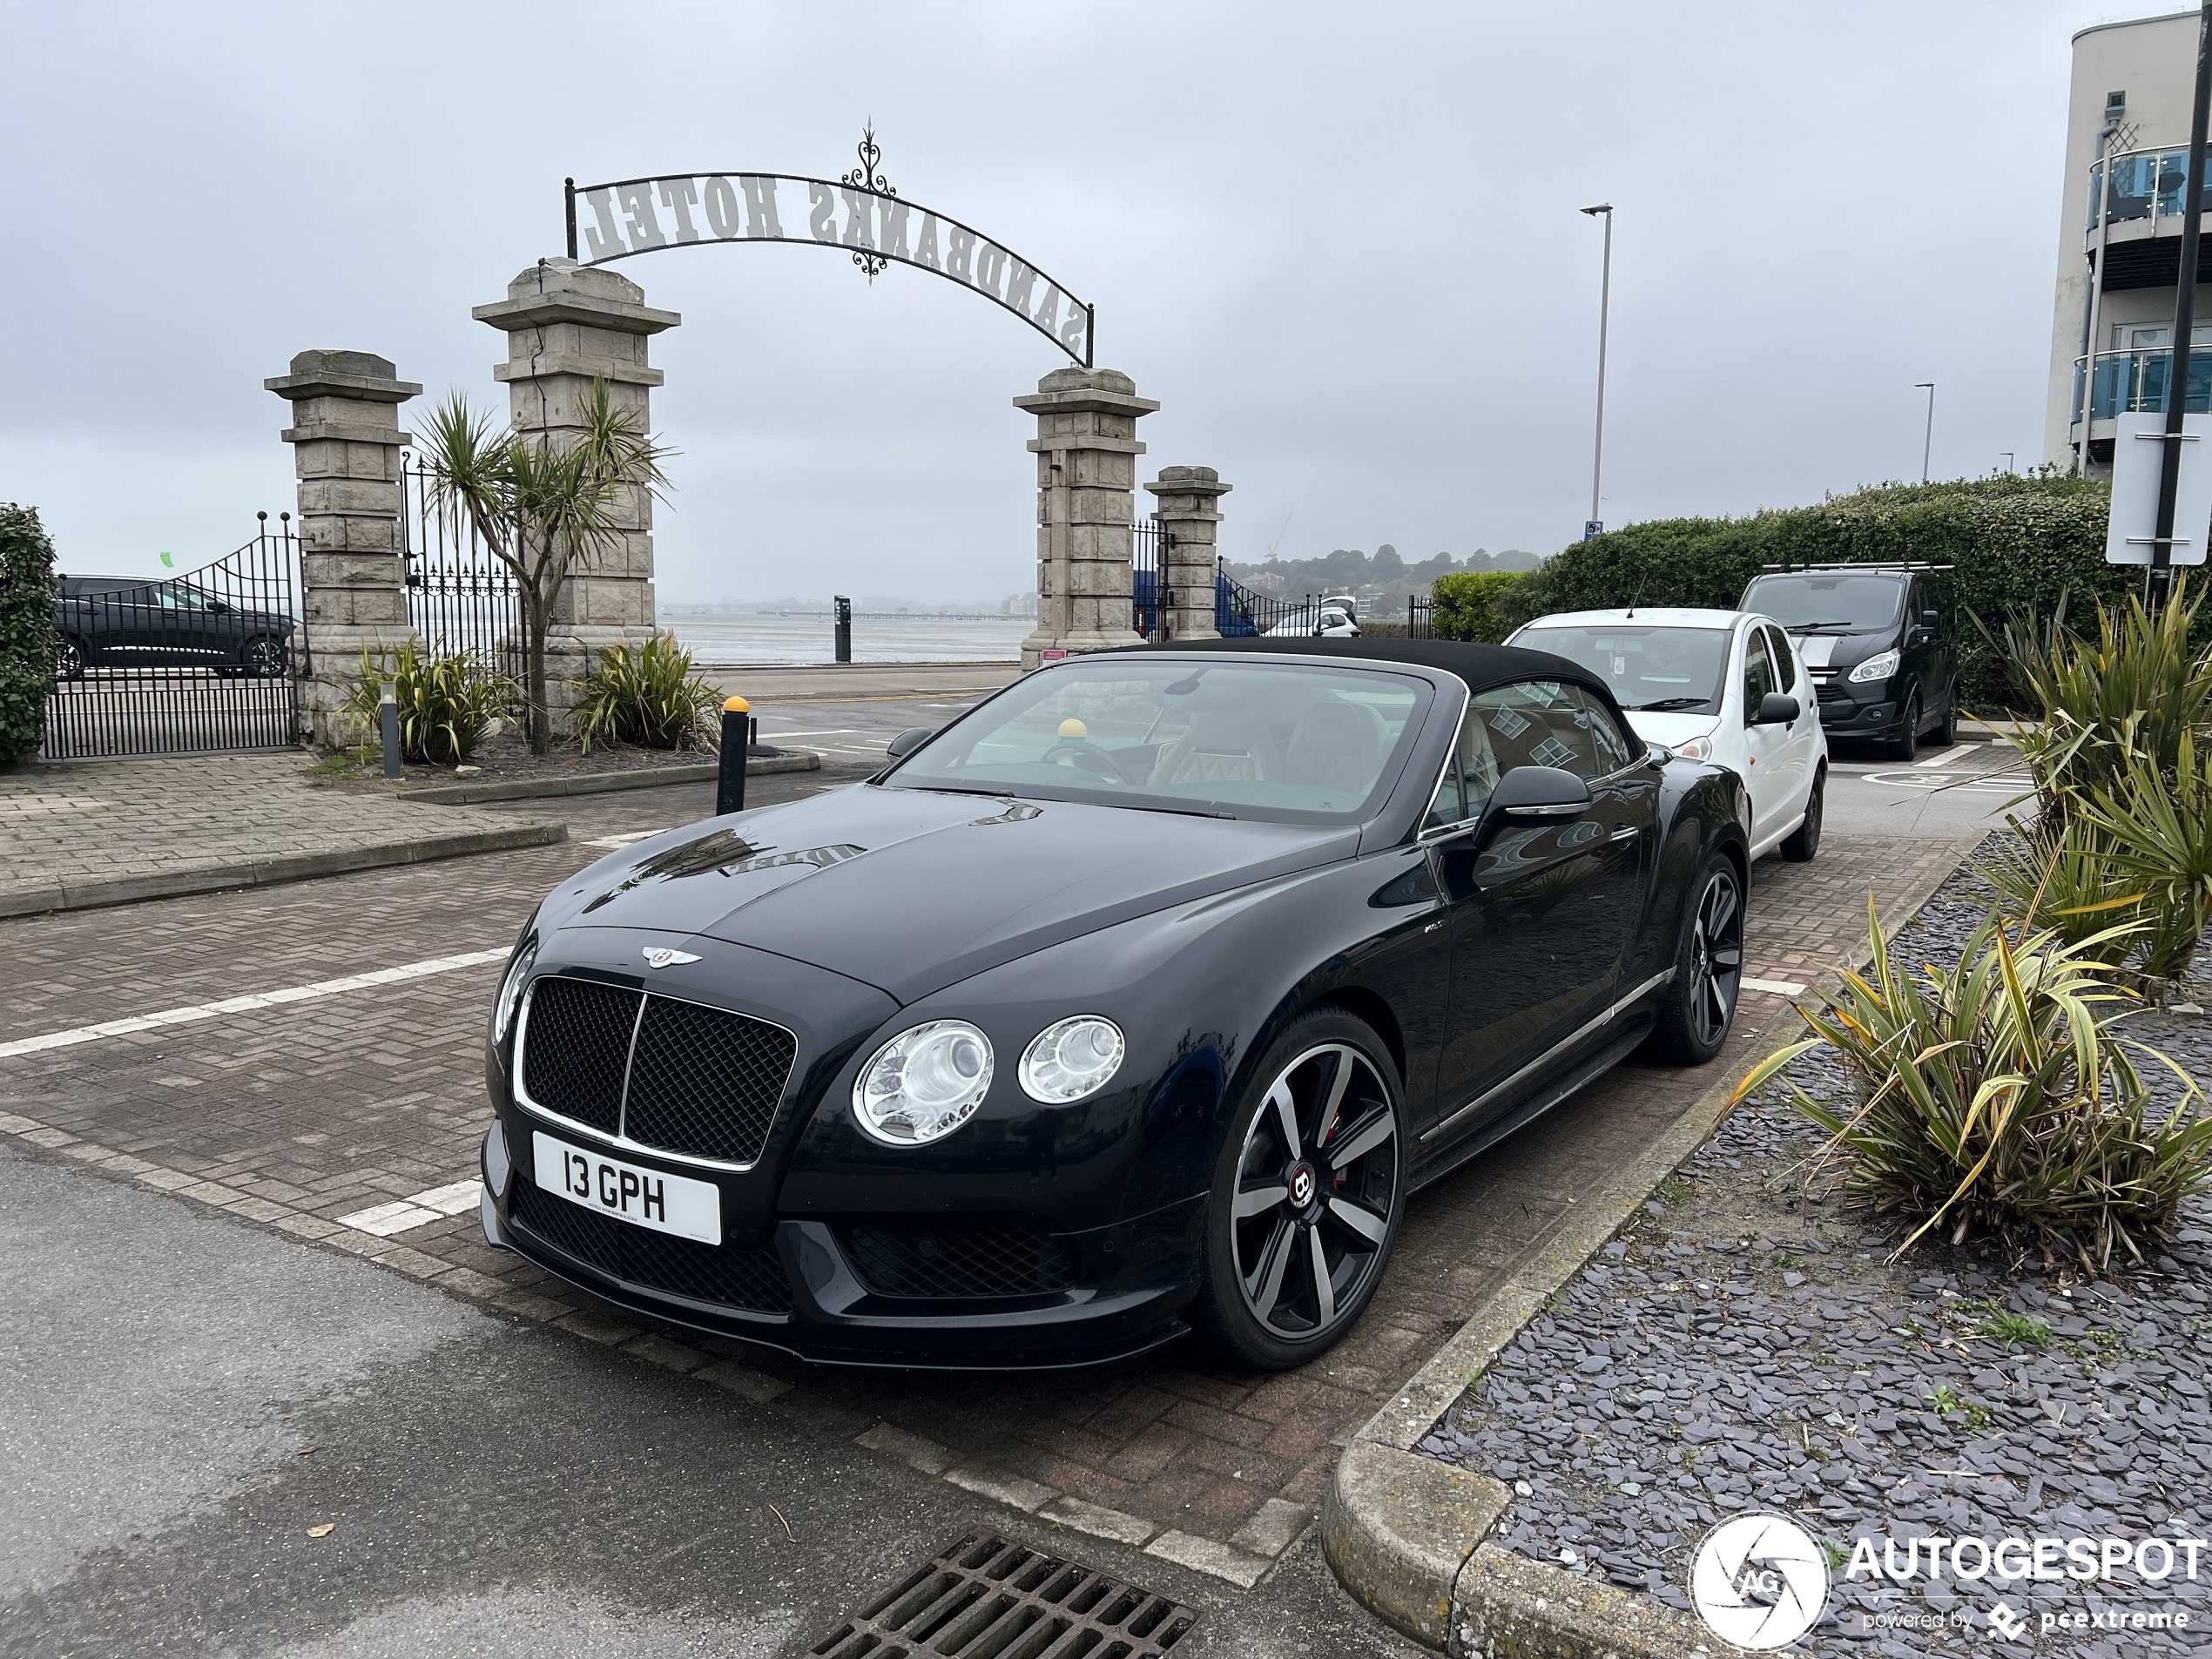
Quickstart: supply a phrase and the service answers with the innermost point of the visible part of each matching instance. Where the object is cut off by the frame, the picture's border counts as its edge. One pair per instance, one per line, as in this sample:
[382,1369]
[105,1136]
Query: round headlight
[1700,749]
[1074,1058]
[511,992]
[924,1083]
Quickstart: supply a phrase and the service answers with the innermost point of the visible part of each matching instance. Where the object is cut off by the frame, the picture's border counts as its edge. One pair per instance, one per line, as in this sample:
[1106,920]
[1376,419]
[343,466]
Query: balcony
[2146,185]
[2136,382]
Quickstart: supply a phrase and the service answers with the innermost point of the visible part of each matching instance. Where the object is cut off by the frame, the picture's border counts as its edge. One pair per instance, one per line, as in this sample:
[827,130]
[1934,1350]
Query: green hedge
[26,630]
[2015,542]
[1465,605]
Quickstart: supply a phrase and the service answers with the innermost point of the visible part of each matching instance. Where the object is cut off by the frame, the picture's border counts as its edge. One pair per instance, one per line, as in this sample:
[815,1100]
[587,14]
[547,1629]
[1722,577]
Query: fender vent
[988,1597]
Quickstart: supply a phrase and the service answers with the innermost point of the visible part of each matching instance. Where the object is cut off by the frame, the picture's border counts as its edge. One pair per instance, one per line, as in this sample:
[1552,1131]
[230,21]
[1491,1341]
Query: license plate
[666,1203]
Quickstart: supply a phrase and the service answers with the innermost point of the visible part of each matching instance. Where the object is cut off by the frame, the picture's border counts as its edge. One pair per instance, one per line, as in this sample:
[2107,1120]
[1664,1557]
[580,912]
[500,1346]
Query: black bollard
[387,710]
[737,733]
[844,629]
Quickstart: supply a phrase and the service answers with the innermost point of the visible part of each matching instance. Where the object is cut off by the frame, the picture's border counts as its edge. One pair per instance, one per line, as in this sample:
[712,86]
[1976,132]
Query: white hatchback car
[1724,686]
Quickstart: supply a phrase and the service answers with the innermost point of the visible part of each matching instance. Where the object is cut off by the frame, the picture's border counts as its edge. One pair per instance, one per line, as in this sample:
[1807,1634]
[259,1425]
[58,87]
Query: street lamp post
[1927,444]
[1604,314]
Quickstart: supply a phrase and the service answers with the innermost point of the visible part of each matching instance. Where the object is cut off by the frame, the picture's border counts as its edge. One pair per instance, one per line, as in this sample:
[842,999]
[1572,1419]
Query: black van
[1876,645]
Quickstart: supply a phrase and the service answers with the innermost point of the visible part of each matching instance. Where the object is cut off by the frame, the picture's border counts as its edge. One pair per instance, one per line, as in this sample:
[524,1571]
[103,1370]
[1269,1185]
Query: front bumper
[844,1292]
[1844,712]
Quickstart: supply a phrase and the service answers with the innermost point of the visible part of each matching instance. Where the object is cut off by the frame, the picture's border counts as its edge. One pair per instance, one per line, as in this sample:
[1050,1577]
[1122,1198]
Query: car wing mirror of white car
[1776,708]
[909,741]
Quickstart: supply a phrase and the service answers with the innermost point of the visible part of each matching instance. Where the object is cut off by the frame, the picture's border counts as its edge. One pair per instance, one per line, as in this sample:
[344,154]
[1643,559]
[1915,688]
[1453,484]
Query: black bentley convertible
[1137,999]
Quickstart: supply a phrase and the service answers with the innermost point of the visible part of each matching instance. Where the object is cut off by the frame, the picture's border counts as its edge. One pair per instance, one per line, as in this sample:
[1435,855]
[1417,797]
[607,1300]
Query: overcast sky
[1339,244]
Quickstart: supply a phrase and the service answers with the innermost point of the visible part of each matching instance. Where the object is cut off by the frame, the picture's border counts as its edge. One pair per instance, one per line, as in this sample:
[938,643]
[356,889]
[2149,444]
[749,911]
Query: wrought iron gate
[460,598]
[207,660]
[1148,573]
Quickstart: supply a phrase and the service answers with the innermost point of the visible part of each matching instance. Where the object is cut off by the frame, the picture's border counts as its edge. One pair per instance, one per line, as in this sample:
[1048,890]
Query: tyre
[69,658]
[1700,1003]
[1905,741]
[1799,846]
[1307,1195]
[1946,731]
[264,658]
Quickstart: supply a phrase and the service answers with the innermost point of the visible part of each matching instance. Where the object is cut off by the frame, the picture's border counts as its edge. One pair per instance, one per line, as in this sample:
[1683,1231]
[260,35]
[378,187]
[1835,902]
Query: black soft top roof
[1480,666]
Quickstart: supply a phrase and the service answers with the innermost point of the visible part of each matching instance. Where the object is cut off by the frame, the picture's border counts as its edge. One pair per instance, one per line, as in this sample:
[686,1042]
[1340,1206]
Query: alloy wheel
[1317,1185]
[1716,956]
[69,659]
[265,658]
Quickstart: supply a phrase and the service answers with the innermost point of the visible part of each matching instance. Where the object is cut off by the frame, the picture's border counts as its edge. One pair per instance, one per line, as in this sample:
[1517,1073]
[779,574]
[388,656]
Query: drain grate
[988,1597]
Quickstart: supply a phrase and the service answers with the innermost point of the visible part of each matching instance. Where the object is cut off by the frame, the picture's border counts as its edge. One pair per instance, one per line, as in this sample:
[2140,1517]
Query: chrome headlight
[1700,749]
[1071,1059]
[924,1083]
[1875,668]
[510,991]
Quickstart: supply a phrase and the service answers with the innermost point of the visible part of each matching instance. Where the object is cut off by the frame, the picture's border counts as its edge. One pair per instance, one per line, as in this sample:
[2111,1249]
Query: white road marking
[402,1215]
[2009,782]
[826,732]
[1774,986]
[623,840]
[250,1003]
[1938,759]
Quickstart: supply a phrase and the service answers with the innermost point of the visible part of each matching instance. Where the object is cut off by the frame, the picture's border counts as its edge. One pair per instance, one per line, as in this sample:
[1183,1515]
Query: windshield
[1279,743]
[1835,602]
[1674,671]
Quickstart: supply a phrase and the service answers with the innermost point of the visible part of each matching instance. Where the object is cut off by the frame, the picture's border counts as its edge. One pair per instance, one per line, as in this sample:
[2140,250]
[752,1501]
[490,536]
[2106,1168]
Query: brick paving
[93,824]
[295,1116]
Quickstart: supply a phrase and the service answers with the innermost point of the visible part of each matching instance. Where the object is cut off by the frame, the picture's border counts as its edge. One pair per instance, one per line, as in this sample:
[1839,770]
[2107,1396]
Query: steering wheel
[1081,754]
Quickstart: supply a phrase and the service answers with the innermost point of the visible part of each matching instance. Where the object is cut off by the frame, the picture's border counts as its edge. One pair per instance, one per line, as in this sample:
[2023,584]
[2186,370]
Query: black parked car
[1874,641]
[1139,997]
[120,621]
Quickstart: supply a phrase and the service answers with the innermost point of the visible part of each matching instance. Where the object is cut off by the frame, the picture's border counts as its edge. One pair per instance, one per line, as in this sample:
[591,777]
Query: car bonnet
[909,890]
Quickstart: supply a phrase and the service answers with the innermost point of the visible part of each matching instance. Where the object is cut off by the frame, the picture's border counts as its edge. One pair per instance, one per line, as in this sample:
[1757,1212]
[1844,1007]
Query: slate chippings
[1741,1345]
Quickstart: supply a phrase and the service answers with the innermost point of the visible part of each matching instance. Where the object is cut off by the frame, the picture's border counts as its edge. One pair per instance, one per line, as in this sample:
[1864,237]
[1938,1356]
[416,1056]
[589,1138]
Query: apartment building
[2126,152]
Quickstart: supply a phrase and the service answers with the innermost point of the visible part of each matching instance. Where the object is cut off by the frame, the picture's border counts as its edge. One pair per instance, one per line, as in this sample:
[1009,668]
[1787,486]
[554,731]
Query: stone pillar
[346,439]
[566,326]
[1189,510]
[1086,448]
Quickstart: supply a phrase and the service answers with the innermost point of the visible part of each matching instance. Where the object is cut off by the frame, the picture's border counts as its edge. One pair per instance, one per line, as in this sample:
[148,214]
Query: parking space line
[623,840]
[1773,987]
[250,1003]
[1938,758]
[403,1215]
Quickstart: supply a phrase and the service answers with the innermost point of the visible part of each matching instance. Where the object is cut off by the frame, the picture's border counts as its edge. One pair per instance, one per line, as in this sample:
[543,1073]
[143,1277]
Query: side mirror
[1541,792]
[909,741]
[1932,620]
[1657,754]
[1776,708]
[217,608]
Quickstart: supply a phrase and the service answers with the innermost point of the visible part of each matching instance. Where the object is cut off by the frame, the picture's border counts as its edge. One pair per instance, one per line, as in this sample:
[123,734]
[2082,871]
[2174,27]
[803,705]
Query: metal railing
[1420,617]
[2137,382]
[204,660]
[460,597]
[2146,185]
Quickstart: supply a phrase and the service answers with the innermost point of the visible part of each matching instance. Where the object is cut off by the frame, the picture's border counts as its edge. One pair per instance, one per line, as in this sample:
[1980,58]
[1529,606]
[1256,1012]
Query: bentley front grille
[660,1072]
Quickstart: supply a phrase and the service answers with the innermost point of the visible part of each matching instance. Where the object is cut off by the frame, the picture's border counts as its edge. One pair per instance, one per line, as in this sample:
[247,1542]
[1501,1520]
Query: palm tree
[545,510]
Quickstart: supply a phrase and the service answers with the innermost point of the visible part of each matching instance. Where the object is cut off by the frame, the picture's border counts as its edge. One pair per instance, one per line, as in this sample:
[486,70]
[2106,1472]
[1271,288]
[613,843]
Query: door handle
[1624,833]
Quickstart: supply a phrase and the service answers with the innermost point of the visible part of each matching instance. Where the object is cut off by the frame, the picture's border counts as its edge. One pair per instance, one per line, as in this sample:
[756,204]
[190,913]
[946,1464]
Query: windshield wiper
[1010,794]
[1669,703]
[1816,627]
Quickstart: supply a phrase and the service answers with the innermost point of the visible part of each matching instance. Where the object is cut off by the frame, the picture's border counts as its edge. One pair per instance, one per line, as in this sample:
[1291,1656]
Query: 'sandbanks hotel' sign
[633,216]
